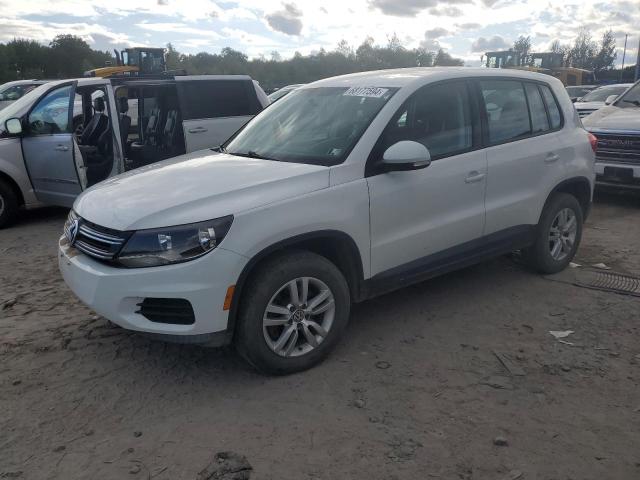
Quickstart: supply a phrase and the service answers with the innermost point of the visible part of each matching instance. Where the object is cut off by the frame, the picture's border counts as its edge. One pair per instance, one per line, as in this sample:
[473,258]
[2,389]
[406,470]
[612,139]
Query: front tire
[292,314]
[557,235]
[8,204]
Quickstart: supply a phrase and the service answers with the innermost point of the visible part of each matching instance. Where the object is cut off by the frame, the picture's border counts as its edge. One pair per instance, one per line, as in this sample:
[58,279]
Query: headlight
[164,246]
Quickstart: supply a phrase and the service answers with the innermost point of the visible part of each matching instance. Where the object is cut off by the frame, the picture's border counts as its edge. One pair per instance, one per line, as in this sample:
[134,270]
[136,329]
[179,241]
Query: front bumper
[115,292]
[617,175]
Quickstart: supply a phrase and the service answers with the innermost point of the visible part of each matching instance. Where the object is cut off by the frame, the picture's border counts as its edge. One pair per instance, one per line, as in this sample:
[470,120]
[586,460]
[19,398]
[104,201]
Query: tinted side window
[539,120]
[217,98]
[51,113]
[437,116]
[506,106]
[552,106]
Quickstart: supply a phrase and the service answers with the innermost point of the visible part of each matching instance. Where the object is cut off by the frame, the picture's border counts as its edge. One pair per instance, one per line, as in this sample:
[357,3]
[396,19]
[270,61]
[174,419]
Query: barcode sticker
[372,92]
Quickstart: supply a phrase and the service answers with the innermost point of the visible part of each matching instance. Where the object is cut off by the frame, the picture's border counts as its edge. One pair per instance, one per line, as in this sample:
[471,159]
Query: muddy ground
[415,390]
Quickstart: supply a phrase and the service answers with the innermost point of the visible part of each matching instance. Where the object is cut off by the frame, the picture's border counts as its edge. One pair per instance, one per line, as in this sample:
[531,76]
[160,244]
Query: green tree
[606,56]
[443,59]
[522,46]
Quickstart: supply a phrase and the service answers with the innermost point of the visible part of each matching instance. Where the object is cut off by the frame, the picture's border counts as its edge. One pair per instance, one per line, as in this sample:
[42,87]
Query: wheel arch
[579,187]
[14,186]
[337,246]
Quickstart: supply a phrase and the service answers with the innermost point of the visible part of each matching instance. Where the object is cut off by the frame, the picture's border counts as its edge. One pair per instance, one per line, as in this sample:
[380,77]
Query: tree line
[584,52]
[68,56]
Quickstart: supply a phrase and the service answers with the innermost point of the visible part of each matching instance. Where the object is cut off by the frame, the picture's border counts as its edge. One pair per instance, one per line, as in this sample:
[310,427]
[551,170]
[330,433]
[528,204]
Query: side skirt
[454,258]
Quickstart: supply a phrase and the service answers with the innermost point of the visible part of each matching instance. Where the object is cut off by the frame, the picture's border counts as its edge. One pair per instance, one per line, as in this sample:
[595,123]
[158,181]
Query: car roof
[403,77]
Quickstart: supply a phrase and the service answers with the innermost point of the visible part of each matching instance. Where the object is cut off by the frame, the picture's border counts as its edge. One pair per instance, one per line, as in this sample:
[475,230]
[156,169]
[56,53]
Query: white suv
[347,188]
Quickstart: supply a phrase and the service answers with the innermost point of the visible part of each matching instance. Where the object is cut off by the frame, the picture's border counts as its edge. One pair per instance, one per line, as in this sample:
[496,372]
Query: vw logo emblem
[72,232]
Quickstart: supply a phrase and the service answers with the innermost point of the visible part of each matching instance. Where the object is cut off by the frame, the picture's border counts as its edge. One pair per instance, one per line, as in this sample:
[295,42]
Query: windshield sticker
[371,92]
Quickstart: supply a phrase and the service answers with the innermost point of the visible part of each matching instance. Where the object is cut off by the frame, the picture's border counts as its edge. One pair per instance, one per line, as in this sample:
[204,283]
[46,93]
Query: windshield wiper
[633,102]
[252,154]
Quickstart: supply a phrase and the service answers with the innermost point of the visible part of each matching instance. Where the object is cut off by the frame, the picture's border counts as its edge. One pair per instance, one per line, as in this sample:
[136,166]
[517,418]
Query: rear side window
[217,98]
[552,107]
[539,120]
[438,116]
[507,113]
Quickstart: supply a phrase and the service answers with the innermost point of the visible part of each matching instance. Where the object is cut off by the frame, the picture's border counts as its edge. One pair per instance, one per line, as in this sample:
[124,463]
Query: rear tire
[557,235]
[9,204]
[292,314]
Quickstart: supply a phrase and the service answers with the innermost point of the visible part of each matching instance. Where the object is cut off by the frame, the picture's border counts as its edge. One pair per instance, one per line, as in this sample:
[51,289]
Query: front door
[419,216]
[48,149]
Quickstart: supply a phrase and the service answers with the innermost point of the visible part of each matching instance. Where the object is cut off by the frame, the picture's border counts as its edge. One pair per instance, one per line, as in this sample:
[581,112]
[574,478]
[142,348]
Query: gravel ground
[415,390]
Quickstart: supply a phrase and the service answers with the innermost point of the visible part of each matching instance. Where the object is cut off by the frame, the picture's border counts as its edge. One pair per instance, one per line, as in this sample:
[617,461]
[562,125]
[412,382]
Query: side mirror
[13,126]
[610,99]
[406,155]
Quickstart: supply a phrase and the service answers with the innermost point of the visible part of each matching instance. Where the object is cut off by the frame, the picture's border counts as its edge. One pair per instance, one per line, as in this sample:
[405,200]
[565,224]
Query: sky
[465,28]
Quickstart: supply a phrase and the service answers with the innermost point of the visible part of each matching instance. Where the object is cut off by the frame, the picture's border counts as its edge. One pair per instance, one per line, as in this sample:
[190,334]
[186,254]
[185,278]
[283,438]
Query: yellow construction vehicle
[133,61]
[549,63]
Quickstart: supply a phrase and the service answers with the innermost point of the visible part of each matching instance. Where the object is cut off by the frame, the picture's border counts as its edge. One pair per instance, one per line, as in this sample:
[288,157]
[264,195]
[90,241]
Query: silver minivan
[68,135]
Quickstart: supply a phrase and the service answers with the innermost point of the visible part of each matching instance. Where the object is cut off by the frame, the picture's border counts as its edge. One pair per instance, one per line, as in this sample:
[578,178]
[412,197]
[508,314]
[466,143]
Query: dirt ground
[415,390]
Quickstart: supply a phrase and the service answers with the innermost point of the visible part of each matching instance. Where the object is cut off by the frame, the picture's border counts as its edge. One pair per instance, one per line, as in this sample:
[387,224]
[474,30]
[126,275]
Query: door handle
[61,148]
[552,157]
[198,130]
[474,177]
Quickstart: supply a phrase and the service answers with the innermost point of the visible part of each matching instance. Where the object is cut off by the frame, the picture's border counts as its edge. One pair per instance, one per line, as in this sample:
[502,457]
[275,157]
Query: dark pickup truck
[617,127]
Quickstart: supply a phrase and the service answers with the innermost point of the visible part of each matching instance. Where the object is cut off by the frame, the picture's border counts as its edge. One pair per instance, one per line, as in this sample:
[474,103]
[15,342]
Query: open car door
[48,147]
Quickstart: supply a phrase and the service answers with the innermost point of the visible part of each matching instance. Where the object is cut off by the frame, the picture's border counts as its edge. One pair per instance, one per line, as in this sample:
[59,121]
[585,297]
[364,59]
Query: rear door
[214,108]
[48,148]
[523,152]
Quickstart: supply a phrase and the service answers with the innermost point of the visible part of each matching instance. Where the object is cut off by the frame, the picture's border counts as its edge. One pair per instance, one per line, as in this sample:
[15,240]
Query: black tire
[258,292]
[539,256]
[9,204]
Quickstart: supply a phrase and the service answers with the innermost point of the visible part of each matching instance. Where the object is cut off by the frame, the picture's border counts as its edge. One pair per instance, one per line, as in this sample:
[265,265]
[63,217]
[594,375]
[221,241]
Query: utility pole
[624,53]
[637,76]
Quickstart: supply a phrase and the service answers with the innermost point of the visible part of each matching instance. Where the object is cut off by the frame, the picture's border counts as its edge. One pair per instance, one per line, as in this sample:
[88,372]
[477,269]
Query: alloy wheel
[562,234]
[298,317]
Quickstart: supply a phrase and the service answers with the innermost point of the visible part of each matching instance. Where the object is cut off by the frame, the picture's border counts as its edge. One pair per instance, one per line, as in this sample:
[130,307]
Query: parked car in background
[352,187]
[12,91]
[68,135]
[280,93]
[599,97]
[576,92]
[617,127]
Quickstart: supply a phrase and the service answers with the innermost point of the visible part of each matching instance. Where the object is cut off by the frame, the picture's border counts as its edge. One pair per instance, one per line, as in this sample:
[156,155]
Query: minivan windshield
[317,126]
[602,93]
[19,107]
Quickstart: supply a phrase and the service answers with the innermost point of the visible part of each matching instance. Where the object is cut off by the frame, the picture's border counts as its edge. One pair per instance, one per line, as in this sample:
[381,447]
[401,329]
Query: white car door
[214,107]
[420,218]
[524,153]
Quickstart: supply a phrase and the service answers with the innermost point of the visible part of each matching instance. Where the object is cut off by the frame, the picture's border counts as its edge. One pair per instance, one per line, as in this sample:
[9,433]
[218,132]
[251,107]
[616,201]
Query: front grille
[93,240]
[177,311]
[618,148]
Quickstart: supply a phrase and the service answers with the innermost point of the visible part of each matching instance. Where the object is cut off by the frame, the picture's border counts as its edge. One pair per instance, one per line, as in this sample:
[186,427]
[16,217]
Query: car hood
[195,187]
[588,105]
[614,118]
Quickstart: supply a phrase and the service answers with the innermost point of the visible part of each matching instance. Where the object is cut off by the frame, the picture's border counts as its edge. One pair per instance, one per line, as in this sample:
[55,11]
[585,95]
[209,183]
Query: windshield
[602,93]
[20,106]
[631,98]
[313,125]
